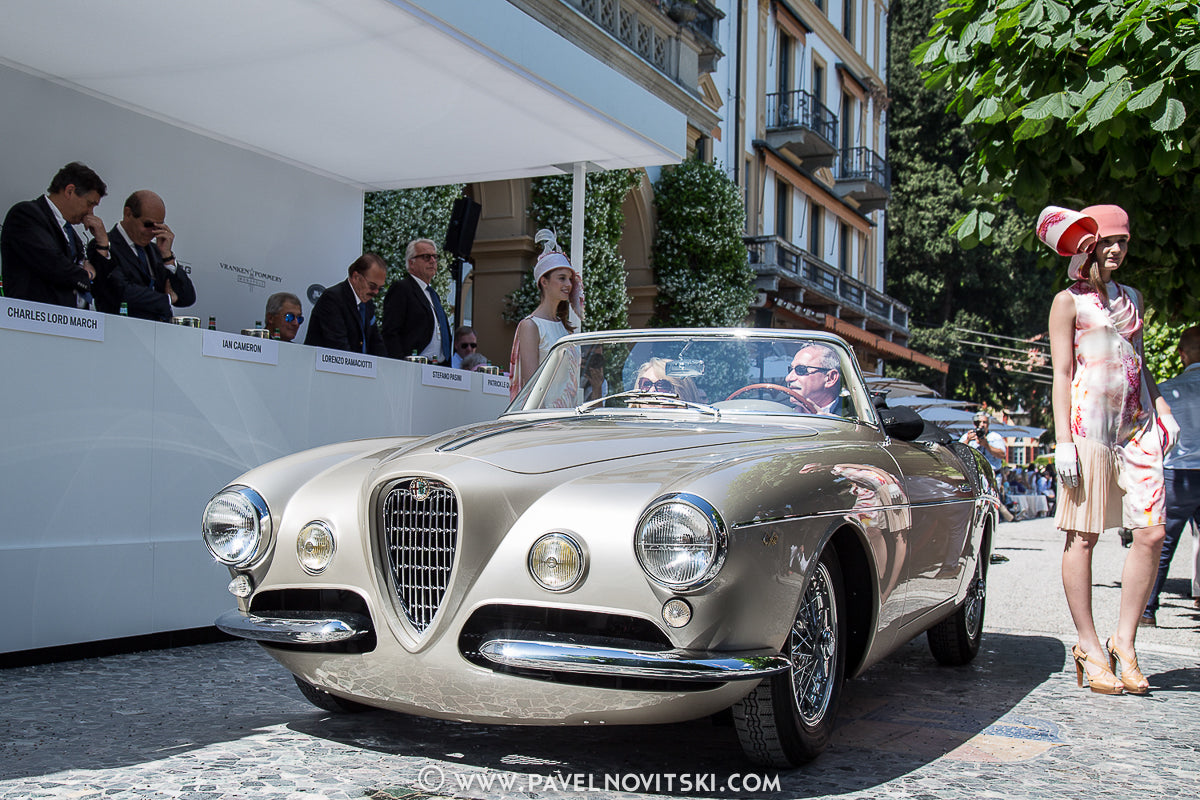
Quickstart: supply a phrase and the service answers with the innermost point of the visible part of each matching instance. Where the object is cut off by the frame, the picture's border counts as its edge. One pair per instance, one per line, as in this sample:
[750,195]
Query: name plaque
[496,384]
[345,363]
[219,344]
[74,323]
[445,377]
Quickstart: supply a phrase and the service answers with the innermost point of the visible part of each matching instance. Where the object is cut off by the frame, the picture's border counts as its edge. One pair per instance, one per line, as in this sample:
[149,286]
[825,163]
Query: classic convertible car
[665,524]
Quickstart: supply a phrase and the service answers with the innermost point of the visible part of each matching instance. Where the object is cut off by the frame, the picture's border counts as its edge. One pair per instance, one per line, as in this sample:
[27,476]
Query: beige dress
[1113,422]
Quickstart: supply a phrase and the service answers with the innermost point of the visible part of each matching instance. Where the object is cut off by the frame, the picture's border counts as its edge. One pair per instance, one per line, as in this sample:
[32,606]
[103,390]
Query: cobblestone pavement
[225,721]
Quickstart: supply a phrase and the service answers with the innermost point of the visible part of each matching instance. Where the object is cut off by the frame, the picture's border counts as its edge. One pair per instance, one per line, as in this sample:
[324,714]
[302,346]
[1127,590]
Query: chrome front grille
[419,535]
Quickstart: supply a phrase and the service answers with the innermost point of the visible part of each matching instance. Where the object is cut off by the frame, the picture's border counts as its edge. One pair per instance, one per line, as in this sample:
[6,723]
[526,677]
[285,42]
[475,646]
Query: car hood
[539,446]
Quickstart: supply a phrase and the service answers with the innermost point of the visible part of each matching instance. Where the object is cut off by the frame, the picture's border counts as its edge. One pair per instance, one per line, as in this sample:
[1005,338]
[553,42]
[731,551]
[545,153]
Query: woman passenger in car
[652,377]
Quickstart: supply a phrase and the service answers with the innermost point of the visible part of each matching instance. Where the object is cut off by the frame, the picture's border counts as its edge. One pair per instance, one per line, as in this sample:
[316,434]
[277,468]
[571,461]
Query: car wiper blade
[652,398]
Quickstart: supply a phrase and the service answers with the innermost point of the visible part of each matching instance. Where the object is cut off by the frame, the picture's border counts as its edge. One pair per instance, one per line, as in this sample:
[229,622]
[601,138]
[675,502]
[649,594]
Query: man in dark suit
[144,268]
[42,257]
[413,319]
[343,318]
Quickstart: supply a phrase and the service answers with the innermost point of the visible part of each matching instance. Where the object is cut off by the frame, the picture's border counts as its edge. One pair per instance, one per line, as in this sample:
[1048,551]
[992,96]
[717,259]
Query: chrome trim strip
[845,511]
[680,665]
[295,627]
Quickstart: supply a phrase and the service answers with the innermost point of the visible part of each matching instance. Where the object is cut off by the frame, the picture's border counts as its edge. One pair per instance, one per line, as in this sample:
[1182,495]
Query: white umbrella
[912,401]
[897,387]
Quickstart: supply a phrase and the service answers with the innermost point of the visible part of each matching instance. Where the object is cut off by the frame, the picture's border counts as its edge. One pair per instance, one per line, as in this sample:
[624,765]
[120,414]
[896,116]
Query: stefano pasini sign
[21,315]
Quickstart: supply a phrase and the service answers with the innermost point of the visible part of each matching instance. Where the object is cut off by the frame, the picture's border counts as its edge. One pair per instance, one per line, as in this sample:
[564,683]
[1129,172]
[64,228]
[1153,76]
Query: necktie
[72,241]
[443,323]
[145,261]
[75,248]
[364,311]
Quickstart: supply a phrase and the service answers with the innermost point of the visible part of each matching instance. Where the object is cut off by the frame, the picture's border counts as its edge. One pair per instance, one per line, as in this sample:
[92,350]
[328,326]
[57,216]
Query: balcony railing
[799,109]
[770,255]
[864,164]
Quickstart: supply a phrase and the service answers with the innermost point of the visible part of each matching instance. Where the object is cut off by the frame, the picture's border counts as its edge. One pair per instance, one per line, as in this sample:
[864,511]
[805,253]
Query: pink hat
[1112,220]
[1067,232]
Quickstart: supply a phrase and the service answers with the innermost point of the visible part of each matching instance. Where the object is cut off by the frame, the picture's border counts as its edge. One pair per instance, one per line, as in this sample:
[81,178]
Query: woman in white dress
[560,312]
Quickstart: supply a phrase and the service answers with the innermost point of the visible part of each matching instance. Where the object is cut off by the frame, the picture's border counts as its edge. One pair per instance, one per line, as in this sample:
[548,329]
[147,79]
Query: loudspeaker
[461,233]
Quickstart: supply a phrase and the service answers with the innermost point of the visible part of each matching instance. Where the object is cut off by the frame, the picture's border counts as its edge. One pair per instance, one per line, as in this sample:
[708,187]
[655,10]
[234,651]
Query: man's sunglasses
[803,370]
[296,318]
[471,345]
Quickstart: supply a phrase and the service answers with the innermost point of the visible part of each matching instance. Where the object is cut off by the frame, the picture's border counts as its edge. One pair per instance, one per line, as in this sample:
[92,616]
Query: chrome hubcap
[813,648]
[974,605]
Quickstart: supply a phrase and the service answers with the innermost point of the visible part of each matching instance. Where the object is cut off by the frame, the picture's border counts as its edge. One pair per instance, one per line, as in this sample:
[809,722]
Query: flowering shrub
[607,303]
[392,219]
[700,261]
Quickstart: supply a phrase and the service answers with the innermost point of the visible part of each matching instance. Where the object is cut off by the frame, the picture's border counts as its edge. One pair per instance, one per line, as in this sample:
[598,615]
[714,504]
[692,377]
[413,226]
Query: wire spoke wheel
[813,648]
[788,718]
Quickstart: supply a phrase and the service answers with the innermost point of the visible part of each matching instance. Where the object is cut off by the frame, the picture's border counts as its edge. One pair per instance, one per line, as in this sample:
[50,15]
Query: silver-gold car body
[662,526]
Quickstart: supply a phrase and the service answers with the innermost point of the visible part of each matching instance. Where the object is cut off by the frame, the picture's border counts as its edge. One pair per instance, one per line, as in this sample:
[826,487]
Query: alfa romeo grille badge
[419,489]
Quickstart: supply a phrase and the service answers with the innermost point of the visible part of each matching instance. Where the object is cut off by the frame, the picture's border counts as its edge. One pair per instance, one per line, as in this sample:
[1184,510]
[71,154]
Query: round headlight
[314,547]
[237,526]
[681,541]
[556,562]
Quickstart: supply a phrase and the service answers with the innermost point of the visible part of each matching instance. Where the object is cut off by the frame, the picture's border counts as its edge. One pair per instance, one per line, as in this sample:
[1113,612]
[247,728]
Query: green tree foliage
[997,288]
[700,259]
[393,218]
[606,301]
[1160,341]
[1077,102]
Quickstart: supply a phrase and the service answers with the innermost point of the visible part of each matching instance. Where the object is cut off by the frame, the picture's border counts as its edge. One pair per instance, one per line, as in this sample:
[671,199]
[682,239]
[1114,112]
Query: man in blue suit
[144,267]
[42,256]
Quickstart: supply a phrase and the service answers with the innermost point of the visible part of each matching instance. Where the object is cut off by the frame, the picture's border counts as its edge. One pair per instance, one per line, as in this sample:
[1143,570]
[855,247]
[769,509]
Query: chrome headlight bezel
[712,551]
[258,529]
[319,529]
[572,546]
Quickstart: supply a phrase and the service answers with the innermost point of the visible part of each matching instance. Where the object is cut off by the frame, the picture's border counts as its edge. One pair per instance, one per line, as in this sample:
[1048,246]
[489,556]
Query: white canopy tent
[378,94]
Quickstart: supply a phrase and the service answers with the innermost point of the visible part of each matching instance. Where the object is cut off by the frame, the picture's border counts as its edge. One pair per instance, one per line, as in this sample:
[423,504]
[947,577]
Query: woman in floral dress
[1112,428]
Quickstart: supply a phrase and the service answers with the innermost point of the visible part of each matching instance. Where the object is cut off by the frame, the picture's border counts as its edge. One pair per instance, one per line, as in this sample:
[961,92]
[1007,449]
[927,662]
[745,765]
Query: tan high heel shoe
[1103,681]
[1131,677]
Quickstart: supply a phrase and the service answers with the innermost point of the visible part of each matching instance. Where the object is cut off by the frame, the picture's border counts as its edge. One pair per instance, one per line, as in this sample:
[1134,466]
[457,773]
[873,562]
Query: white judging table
[112,447]
[1031,505]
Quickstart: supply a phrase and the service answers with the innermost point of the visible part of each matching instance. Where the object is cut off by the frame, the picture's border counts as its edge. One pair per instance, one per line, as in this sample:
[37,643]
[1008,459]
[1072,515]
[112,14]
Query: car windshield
[733,371]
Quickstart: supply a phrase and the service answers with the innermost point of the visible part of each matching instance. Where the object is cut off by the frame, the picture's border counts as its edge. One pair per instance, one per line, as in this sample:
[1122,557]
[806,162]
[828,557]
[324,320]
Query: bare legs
[1137,581]
[1077,583]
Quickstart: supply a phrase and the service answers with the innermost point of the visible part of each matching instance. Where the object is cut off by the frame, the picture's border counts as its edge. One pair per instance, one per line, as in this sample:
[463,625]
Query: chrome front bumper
[680,665]
[314,627]
[295,627]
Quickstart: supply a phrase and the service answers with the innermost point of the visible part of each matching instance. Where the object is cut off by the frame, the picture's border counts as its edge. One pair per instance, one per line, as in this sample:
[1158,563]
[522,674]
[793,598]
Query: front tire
[955,640]
[329,702]
[788,719]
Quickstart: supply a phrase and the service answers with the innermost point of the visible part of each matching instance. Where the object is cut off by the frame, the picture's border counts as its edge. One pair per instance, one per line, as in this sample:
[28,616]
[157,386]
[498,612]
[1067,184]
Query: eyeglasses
[296,318]
[647,385]
[424,256]
[466,345]
[803,370]
[149,224]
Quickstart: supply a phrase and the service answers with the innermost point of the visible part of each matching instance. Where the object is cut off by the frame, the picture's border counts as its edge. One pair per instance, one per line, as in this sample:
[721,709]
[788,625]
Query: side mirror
[901,423]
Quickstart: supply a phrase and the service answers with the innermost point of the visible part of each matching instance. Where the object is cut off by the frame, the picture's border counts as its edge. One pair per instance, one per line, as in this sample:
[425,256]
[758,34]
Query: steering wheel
[804,402]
